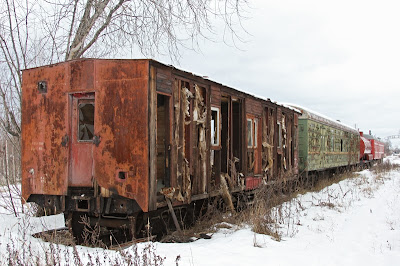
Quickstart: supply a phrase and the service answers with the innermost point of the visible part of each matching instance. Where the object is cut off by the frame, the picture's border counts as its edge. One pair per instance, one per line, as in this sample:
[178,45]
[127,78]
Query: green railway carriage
[324,143]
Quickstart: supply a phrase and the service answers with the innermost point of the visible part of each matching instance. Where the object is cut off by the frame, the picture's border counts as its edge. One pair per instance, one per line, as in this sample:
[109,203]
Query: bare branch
[100,30]
[71,29]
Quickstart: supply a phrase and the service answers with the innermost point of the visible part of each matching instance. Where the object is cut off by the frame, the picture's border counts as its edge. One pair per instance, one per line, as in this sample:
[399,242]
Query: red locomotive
[371,149]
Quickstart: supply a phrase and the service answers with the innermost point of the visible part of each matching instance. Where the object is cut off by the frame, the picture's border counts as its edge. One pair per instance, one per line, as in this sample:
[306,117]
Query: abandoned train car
[116,140]
[325,144]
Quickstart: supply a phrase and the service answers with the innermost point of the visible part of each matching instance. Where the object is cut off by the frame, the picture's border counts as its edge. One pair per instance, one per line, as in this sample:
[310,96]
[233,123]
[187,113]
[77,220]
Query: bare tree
[38,32]
[152,26]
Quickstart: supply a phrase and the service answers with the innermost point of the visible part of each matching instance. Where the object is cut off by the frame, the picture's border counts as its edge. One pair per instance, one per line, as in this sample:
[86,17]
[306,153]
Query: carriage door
[163,142]
[82,133]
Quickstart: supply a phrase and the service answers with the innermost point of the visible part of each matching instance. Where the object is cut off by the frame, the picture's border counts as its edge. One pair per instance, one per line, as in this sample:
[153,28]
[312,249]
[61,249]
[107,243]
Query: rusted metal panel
[152,138]
[80,76]
[123,128]
[50,121]
[44,126]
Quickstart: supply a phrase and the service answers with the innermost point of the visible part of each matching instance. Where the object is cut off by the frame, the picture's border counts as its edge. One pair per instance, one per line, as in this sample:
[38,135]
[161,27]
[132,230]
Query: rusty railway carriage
[115,140]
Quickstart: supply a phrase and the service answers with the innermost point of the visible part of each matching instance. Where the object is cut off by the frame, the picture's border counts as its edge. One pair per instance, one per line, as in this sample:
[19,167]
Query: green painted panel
[303,143]
[322,146]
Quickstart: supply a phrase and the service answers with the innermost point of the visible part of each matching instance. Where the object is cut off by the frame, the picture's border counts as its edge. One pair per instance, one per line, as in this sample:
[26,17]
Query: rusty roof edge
[90,59]
[173,67]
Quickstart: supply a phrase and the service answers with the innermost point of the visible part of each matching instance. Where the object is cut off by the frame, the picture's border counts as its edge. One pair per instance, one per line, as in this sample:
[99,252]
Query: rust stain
[121,125]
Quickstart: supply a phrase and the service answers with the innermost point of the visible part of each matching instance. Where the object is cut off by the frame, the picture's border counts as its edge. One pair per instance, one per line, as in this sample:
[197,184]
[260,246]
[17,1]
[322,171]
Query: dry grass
[275,210]
[58,248]
[385,167]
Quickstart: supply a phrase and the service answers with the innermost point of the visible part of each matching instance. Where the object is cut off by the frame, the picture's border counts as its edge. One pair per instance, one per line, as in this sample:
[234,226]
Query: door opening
[224,135]
[163,143]
[237,123]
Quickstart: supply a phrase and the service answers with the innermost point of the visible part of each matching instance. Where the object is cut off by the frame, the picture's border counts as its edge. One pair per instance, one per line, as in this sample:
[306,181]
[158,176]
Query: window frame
[250,145]
[254,121]
[217,127]
[78,109]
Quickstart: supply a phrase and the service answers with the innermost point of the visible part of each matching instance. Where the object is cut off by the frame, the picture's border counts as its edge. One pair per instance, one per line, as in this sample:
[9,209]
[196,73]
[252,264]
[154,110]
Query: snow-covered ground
[354,222]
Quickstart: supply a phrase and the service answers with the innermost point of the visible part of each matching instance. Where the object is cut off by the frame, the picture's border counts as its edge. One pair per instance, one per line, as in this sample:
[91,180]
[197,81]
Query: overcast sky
[339,58]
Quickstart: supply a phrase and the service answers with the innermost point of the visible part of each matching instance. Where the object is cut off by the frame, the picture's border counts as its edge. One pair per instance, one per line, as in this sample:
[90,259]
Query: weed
[22,249]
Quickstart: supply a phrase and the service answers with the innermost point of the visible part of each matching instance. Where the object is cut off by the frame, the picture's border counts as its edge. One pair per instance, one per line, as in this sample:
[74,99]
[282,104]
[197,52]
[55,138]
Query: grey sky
[339,58]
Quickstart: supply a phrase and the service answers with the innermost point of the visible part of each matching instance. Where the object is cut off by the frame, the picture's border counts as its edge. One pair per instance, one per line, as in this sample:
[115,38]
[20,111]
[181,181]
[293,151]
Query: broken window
[215,126]
[252,132]
[253,154]
[249,133]
[86,121]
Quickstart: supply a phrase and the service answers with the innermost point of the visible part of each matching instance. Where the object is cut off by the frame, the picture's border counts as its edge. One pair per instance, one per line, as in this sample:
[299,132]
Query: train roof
[367,136]
[310,114]
[205,78]
[240,91]
[371,137]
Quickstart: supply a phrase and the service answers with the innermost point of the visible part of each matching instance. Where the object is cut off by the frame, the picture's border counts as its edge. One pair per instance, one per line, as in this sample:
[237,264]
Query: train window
[250,133]
[215,126]
[86,121]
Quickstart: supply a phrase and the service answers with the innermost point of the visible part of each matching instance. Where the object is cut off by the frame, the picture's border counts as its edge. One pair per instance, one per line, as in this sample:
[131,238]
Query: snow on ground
[354,222]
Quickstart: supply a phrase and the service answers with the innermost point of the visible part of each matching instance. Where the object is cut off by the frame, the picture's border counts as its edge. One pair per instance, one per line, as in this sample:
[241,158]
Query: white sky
[340,58]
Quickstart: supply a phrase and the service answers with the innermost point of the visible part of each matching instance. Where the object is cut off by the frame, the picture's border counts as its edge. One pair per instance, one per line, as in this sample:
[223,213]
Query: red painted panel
[378,149]
[365,147]
[81,153]
[253,182]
